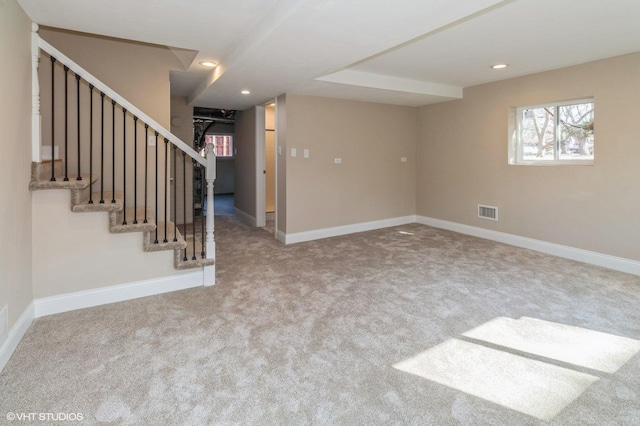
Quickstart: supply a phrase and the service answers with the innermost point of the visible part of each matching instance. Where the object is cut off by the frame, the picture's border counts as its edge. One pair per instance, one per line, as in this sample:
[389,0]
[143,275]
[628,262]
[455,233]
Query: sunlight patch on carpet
[574,345]
[532,387]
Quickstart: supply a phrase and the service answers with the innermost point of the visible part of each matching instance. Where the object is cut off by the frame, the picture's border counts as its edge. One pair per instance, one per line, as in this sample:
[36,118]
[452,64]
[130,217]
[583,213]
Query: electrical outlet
[337,160]
[294,152]
[403,159]
[151,141]
[279,149]
[306,153]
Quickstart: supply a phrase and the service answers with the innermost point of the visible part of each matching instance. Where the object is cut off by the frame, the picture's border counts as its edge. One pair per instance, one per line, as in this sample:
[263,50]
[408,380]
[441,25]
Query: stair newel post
[135,169]
[166,183]
[66,123]
[78,177]
[53,118]
[91,143]
[36,120]
[210,271]
[146,167]
[124,167]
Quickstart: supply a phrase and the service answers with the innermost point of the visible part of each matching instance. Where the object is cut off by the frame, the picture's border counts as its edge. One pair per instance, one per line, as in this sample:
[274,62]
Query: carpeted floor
[405,325]
[224,205]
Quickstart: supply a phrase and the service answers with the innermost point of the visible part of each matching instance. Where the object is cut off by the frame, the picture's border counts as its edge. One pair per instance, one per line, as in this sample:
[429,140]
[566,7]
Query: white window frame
[516,148]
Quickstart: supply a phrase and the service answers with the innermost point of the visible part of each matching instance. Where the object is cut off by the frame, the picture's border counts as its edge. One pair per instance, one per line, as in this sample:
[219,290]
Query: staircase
[106,142]
[140,220]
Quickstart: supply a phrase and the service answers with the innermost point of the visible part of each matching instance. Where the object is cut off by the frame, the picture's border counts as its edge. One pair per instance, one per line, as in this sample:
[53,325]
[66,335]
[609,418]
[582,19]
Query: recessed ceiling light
[245,92]
[208,64]
[499,66]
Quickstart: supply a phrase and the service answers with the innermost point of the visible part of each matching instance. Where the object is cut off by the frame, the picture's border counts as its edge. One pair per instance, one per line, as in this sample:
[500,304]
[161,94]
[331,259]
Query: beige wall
[139,72]
[76,252]
[15,122]
[370,184]
[181,111]
[245,161]
[462,161]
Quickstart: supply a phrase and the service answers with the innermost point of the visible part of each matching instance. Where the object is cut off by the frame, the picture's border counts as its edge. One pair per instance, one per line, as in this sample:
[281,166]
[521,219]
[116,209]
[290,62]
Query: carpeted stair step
[41,177]
[178,259]
[149,238]
[60,183]
[80,201]
[42,171]
[116,220]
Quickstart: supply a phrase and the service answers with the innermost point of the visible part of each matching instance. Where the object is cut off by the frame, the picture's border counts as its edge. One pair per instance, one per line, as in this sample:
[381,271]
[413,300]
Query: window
[223,145]
[560,133]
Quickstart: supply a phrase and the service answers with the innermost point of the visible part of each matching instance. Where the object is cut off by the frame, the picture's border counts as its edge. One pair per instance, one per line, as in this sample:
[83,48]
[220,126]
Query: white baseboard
[612,262]
[209,275]
[317,234]
[281,236]
[15,335]
[117,293]
[246,217]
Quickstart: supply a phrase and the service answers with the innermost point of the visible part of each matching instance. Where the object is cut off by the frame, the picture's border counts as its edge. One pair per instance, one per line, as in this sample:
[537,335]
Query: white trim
[15,335]
[209,275]
[117,293]
[245,217]
[99,85]
[317,234]
[516,155]
[607,261]
[36,124]
[276,233]
[387,82]
[281,236]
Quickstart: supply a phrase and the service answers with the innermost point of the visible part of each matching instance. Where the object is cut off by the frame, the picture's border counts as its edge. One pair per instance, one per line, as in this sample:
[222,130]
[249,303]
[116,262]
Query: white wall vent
[487,212]
[4,323]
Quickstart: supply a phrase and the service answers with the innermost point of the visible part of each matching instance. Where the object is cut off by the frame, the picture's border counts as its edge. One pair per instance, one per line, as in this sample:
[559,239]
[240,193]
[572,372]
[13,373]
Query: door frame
[261,216]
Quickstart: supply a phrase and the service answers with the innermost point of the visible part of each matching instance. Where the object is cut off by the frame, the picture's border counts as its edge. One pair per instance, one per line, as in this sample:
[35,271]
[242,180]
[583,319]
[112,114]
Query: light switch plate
[337,160]
[306,153]
[294,152]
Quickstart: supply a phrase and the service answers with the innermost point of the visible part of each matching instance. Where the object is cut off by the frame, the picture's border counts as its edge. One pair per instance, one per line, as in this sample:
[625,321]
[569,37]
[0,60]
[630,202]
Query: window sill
[552,163]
